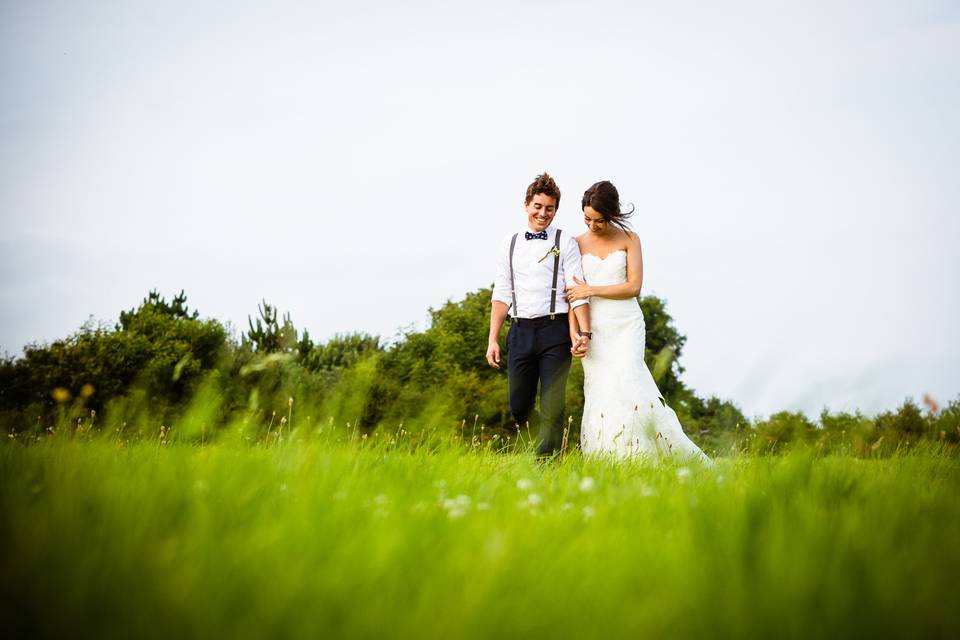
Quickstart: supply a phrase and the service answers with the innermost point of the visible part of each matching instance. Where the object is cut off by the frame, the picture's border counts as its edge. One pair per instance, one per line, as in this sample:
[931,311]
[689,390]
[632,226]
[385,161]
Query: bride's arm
[622,291]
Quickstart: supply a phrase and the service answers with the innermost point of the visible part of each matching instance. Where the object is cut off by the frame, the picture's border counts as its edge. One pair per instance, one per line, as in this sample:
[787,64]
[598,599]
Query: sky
[794,168]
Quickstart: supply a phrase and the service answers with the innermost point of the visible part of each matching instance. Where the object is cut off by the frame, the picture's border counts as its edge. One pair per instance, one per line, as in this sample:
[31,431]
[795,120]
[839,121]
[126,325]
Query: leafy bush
[341,351]
[269,336]
[945,424]
[159,347]
[907,423]
[161,364]
[780,430]
[713,423]
[664,347]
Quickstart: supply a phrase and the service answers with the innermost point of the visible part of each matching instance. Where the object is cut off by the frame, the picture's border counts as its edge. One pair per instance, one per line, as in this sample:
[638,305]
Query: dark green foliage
[713,422]
[173,346]
[664,347]
[843,423]
[855,433]
[341,351]
[720,415]
[269,336]
[154,303]
[460,329]
[159,347]
[847,432]
[945,424]
[906,423]
[780,430]
[440,373]
[162,364]
[574,401]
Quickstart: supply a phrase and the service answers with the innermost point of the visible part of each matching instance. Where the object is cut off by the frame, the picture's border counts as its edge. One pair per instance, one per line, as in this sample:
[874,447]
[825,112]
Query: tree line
[162,364]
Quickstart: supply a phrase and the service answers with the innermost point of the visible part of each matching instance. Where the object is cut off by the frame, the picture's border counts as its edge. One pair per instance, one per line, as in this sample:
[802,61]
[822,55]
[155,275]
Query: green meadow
[167,478]
[325,533]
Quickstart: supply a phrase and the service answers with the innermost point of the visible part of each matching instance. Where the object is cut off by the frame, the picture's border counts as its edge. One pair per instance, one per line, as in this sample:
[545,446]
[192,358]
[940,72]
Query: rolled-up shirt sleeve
[501,283]
[572,266]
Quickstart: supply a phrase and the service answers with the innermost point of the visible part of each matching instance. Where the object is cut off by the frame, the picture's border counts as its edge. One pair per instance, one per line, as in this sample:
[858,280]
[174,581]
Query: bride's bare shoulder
[628,240]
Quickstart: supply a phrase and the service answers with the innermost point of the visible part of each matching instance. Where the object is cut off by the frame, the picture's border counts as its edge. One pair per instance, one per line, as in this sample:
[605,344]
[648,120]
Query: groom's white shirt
[533,276]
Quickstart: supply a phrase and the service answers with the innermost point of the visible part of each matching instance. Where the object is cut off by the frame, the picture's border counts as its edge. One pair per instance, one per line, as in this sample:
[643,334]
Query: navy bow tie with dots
[542,235]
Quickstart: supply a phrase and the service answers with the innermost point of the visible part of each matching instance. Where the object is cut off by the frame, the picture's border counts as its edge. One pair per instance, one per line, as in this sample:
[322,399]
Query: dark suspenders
[513,286]
[556,269]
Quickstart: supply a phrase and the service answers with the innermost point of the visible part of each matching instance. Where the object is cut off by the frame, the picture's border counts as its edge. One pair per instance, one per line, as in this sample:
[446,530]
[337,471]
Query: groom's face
[540,211]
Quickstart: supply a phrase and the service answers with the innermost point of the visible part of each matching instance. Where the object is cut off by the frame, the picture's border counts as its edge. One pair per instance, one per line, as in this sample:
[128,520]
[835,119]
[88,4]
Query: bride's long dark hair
[604,198]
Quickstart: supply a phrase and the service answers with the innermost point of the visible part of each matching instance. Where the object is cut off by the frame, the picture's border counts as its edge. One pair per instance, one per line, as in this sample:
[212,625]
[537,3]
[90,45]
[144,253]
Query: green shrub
[945,424]
[780,430]
[159,347]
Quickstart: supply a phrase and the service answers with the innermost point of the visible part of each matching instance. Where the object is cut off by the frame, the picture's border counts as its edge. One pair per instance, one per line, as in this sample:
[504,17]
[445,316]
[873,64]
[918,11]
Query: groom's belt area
[539,321]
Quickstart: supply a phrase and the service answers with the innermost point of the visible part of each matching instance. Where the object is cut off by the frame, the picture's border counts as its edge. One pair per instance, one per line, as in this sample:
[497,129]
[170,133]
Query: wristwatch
[587,334]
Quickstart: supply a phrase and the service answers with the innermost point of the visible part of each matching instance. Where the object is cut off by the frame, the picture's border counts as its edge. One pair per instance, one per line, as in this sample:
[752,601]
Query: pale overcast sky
[794,166]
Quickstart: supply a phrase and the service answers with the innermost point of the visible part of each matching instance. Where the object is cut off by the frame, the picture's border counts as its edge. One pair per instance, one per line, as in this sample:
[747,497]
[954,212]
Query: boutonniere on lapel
[553,252]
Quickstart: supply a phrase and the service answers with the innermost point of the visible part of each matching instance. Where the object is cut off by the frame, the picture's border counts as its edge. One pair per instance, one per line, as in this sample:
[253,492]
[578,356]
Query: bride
[624,413]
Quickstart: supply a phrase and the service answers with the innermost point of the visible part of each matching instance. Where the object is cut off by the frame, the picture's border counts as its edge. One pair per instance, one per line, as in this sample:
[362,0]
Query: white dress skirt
[624,413]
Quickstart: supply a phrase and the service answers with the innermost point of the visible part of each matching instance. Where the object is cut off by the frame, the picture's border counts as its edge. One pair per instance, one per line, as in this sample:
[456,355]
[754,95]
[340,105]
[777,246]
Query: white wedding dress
[624,413]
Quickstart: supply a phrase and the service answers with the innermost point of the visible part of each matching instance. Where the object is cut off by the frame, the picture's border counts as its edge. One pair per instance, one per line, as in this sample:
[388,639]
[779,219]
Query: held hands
[493,355]
[581,344]
[580,291]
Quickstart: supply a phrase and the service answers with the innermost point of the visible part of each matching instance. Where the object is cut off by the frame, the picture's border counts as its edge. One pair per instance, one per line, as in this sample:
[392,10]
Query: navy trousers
[538,351]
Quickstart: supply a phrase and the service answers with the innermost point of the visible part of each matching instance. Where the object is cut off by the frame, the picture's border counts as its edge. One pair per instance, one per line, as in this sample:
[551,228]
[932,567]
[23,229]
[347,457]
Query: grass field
[326,538]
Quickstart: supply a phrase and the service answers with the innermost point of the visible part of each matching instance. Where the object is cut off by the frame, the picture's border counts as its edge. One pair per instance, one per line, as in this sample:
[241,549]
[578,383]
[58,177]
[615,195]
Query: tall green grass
[324,533]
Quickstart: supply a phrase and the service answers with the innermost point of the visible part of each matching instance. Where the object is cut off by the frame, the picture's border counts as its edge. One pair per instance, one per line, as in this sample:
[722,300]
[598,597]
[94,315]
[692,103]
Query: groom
[534,267]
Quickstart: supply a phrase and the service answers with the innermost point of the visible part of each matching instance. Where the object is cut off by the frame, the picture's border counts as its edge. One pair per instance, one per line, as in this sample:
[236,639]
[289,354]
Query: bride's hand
[580,346]
[580,291]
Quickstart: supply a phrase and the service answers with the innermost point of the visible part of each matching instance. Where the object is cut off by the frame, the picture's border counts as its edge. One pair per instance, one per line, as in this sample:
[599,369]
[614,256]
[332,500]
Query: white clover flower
[683,473]
[523,484]
[483,506]
[647,491]
[457,507]
[566,506]
[587,484]
[381,499]
[534,499]
[283,487]
[460,502]
[588,512]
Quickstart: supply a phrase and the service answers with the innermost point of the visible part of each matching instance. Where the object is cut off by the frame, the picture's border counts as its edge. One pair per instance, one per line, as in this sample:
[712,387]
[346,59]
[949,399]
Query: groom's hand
[493,355]
[581,344]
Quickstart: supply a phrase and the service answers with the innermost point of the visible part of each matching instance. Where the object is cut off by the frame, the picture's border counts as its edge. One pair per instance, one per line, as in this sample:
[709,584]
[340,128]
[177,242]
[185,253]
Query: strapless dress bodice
[611,269]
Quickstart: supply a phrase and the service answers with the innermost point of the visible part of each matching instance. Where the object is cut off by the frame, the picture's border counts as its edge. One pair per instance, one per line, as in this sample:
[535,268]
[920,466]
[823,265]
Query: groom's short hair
[543,184]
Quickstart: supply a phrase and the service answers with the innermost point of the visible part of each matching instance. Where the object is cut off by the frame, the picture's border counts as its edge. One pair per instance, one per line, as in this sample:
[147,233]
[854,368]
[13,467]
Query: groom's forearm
[498,314]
